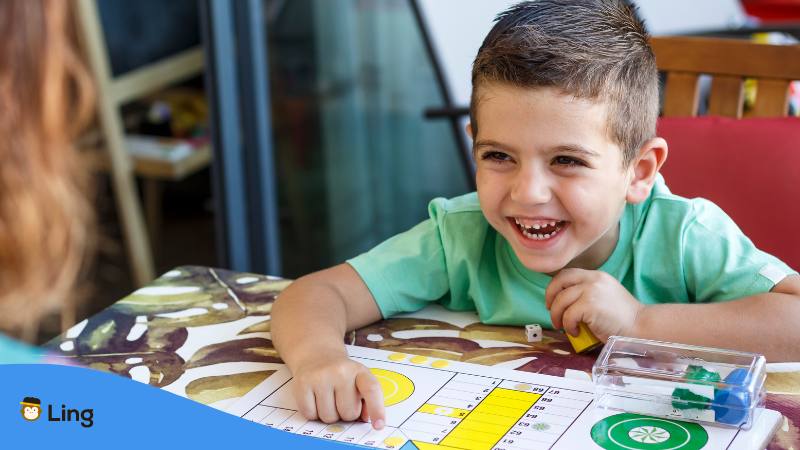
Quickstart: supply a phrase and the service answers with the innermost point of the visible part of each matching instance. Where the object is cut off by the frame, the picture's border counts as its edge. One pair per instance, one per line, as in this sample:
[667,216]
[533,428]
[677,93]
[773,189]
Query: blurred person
[45,218]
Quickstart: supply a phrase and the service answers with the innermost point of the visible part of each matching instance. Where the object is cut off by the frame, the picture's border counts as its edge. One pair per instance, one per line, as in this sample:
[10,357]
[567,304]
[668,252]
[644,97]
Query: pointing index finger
[371,391]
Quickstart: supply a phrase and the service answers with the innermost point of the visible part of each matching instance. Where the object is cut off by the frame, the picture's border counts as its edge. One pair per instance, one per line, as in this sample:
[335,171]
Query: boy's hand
[593,297]
[332,389]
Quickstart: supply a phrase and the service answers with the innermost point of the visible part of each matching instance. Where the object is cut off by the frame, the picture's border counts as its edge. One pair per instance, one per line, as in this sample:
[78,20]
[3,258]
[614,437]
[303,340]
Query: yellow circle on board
[418,359]
[523,387]
[396,387]
[335,428]
[393,441]
[440,364]
[397,357]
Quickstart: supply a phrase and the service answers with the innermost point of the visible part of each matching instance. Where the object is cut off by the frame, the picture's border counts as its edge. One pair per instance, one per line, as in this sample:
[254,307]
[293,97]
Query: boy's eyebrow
[568,148]
[490,143]
[576,149]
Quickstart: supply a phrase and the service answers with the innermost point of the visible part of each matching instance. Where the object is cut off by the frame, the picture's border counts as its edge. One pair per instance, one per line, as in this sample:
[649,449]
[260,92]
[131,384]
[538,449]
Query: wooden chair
[729,62]
[113,91]
[105,149]
[747,167]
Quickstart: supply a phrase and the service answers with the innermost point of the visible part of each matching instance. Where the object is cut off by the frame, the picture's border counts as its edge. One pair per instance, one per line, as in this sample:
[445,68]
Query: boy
[571,222]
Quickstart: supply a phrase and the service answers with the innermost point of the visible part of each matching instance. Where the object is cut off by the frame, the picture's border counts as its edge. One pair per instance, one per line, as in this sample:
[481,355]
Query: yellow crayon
[584,341]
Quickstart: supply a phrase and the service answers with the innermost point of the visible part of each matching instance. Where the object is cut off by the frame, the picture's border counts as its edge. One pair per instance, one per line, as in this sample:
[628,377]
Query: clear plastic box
[676,381]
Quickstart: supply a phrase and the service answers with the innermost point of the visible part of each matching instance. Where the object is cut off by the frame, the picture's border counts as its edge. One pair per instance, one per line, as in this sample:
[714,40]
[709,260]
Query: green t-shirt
[670,250]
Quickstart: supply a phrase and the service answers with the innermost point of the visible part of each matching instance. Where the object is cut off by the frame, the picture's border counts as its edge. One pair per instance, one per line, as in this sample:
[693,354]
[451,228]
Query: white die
[533,332]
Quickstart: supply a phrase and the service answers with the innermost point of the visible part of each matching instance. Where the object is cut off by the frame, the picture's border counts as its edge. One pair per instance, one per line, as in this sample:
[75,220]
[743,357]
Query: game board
[435,404]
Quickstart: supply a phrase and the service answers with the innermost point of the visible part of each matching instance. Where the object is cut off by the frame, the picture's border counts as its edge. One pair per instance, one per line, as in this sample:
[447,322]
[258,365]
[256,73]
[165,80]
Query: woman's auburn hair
[46,97]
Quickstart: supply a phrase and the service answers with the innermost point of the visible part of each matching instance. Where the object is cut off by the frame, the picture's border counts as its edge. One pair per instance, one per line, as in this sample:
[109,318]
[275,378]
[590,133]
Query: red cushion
[773,10]
[749,167]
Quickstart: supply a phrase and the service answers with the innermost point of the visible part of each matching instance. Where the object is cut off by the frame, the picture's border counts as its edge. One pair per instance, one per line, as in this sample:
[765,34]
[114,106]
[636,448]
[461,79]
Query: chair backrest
[749,167]
[729,62]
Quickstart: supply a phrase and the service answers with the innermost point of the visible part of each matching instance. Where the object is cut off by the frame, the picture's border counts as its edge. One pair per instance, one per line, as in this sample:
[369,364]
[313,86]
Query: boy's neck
[599,253]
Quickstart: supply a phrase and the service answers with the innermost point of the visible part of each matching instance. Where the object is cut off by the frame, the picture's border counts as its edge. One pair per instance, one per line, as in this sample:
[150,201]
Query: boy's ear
[469,128]
[644,169]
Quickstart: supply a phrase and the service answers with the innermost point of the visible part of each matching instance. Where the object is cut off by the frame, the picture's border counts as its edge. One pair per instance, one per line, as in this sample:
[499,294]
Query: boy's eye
[495,156]
[567,161]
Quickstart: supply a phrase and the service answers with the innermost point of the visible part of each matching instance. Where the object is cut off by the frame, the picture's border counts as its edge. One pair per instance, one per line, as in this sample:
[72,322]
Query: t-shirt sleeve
[721,263]
[407,271]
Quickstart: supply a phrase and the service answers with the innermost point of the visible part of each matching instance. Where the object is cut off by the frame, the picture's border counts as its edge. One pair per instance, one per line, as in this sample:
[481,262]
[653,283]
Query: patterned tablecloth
[204,334]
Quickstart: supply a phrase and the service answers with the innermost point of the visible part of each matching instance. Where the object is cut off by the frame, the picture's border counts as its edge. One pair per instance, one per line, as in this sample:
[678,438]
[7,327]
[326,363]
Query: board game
[435,404]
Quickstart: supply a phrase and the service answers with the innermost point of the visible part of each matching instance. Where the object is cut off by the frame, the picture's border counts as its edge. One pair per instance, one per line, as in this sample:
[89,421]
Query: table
[203,333]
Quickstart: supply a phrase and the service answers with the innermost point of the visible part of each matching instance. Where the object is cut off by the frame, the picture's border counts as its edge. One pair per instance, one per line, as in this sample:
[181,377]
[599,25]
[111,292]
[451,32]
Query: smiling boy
[571,221]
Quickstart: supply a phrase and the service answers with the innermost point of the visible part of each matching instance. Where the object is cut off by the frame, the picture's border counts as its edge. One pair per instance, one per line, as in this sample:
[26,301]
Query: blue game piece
[732,405]
[738,377]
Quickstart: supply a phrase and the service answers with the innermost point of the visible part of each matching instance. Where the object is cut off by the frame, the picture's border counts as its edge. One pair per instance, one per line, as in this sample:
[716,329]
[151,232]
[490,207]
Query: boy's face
[549,178]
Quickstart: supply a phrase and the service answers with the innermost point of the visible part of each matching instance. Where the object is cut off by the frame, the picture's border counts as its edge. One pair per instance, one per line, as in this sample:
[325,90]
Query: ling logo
[31,408]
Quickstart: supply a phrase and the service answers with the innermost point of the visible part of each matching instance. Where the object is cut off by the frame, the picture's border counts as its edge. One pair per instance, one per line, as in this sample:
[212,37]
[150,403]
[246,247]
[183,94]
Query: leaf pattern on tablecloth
[260,327]
[552,356]
[164,367]
[239,350]
[148,325]
[788,434]
[208,390]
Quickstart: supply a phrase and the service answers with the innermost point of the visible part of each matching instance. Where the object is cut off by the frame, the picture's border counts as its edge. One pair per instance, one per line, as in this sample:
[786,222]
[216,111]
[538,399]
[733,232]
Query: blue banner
[49,406]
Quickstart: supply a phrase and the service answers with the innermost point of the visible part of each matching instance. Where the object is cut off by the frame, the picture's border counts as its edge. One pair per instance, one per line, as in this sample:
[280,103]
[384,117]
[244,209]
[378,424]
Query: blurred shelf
[199,159]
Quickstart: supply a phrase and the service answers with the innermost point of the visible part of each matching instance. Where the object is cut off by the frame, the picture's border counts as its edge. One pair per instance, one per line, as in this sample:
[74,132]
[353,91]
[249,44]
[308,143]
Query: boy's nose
[531,188]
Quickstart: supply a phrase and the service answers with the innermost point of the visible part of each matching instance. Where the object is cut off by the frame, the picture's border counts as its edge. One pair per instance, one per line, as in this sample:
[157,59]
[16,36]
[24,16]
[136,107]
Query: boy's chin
[547,267]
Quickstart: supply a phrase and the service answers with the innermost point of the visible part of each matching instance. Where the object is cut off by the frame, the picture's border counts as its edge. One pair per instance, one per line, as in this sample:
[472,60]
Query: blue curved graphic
[85,409]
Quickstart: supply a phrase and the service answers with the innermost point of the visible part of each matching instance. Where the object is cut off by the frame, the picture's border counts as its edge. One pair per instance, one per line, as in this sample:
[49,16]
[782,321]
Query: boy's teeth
[538,236]
[529,230]
[536,226]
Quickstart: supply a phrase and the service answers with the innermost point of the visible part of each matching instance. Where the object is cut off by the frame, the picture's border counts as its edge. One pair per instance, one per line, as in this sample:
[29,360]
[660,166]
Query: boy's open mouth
[539,230]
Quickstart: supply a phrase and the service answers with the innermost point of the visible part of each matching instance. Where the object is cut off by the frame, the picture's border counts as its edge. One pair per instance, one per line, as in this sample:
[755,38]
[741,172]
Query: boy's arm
[764,323]
[309,321]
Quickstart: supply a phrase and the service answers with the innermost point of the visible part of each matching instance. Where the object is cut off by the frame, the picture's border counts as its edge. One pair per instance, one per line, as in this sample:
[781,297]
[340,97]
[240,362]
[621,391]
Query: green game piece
[698,373]
[636,432]
[686,399]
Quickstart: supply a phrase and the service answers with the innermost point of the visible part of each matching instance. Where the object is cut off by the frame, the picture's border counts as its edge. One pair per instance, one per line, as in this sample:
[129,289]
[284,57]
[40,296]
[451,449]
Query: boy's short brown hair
[595,49]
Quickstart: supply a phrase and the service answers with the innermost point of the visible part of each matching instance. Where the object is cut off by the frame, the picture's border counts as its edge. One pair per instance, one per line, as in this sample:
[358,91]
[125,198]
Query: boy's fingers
[348,402]
[563,280]
[372,393]
[326,405]
[306,403]
[364,414]
[562,301]
[571,318]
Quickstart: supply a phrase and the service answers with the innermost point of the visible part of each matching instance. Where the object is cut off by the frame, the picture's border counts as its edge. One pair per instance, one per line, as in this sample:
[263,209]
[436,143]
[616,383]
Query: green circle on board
[636,432]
